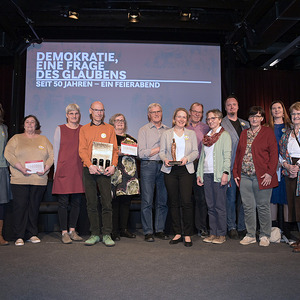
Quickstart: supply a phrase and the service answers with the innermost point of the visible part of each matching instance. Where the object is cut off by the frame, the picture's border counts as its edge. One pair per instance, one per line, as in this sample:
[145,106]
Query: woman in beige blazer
[179,144]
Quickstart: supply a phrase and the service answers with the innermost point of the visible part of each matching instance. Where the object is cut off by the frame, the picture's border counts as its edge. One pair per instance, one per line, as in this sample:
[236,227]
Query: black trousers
[179,184]
[26,204]
[63,200]
[200,204]
[120,207]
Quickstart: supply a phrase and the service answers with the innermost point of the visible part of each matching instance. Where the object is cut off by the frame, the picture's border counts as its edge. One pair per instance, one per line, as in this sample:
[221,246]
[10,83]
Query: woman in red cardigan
[254,172]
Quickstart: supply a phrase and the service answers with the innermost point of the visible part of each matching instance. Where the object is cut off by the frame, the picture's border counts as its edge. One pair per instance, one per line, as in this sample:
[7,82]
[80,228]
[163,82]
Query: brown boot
[297,247]
[3,242]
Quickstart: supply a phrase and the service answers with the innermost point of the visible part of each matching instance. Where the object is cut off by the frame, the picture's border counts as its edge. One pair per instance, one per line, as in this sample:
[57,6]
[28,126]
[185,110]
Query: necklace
[254,132]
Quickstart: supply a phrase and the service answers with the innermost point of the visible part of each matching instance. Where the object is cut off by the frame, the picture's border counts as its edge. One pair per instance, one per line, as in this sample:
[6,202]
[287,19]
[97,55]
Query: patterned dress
[125,179]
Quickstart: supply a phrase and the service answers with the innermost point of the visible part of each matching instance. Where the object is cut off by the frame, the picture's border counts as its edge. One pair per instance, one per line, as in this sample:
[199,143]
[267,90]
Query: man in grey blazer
[235,212]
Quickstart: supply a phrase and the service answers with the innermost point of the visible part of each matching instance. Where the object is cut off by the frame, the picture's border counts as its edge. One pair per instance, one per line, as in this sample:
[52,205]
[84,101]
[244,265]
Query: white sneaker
[247,240]
[34,240]
[264,241]
[19,242]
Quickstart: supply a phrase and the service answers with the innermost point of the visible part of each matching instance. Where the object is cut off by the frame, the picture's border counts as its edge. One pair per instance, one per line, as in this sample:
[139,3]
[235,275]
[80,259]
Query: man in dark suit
[235,212]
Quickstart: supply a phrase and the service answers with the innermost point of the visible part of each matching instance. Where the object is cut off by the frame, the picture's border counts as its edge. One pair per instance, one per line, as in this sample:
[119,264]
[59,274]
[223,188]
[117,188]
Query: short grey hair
[152,105]
[71,107]
[112,121]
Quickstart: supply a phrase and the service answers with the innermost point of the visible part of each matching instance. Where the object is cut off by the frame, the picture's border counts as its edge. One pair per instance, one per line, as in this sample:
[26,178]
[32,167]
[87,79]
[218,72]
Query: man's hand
[109,171]
[94,170]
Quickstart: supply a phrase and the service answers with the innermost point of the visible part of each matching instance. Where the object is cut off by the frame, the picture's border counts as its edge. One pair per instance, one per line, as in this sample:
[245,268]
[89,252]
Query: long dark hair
[286,119]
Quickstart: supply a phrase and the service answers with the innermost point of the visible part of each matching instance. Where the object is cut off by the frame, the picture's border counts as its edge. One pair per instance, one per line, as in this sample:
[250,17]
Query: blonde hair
[175,113]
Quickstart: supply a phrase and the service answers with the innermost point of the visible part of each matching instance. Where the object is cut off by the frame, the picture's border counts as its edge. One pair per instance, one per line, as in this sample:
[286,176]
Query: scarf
[210,140]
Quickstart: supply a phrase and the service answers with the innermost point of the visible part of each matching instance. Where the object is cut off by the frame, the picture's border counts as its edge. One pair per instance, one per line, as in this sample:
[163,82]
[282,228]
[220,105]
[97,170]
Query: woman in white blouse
[179,178]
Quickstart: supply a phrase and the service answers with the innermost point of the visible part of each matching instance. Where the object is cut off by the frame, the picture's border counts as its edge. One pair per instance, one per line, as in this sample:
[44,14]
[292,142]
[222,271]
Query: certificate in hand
[35,166]
[129,149]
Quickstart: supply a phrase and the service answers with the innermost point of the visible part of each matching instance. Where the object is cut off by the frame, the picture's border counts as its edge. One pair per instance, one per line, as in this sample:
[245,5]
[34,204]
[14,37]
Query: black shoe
[161,235]
[174,242]
[115,237]
[188,244]
[127,234]
[242,233]
[233,234]
[203,233]
[149,238]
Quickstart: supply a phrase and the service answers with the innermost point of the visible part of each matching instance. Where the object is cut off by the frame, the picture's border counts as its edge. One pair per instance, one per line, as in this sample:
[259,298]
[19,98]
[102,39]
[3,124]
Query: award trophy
[174,162]
[102,155]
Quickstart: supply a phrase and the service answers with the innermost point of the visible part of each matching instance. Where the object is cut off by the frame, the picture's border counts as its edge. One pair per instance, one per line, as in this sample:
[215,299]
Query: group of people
[216,176]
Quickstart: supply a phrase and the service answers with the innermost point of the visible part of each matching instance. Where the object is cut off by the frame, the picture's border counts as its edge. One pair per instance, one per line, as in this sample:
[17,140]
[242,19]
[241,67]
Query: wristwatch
[225,172]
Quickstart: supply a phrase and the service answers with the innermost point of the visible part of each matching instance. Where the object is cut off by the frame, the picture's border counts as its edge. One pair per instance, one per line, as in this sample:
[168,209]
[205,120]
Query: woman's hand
[22,169]
[237,181]
[224,179]
[266,179]
[183,161]
[46,168]
[199,181]
[292,169]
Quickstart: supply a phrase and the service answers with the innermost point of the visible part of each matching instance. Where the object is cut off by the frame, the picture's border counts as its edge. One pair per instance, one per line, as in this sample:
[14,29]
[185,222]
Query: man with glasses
[151,176]
[235,212]
[200,128]
[98,131]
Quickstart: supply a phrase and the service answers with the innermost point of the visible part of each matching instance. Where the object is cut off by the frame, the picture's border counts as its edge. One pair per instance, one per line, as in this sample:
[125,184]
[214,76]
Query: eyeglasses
[295,114]
[119,121]
[196,112]
[255,117]
[211,119]
[155,112]
[98,110]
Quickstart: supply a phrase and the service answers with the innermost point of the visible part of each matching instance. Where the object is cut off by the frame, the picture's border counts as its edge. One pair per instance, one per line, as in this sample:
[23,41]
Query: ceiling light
[73,15]
[185,15]
[134,16]
[275,62]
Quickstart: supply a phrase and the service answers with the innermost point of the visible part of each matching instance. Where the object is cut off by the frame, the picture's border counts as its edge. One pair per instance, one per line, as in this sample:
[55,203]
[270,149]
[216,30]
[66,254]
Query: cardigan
[264,153]
[221,155]
[190,152]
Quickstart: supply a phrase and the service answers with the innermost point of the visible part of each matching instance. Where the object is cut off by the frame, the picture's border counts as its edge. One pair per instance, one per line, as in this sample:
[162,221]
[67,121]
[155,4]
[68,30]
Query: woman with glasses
[30,157]
[254,172]
[214,173]
[290,152]
[125,182]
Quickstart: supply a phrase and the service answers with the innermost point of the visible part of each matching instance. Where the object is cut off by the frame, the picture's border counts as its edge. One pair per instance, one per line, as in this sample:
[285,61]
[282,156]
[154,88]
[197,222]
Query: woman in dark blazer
[179,178]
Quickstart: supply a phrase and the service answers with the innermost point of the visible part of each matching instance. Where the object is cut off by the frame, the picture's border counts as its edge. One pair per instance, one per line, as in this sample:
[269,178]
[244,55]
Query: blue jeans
[234,208]
[152,177]
[255,199]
